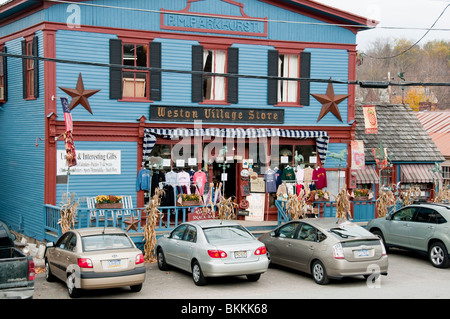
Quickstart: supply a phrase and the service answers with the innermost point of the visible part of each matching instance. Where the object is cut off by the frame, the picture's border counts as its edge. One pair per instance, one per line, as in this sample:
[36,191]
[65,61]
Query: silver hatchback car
[422,227]
[327,248]
[212,248]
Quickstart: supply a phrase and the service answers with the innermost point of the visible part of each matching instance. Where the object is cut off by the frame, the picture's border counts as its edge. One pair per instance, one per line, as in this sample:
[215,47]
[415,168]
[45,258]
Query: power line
[363,84]
[404,51]
[243,18]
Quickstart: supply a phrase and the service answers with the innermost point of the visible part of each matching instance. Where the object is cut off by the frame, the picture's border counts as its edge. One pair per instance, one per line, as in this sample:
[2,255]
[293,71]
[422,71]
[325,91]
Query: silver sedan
[212,248]
[327,248]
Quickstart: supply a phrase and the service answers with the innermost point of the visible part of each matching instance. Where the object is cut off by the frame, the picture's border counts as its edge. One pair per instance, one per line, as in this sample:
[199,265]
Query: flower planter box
[190,203]
[109,205]
[359,198]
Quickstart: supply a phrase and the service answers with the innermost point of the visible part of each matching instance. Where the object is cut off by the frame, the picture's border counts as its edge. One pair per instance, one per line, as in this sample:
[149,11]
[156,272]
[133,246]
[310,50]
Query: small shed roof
[401,133]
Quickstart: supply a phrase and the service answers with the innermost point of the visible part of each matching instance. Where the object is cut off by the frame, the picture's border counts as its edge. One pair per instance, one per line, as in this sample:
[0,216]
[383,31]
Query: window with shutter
[3,77]
[288,65]
[129,83]
[209,88]
[30,69]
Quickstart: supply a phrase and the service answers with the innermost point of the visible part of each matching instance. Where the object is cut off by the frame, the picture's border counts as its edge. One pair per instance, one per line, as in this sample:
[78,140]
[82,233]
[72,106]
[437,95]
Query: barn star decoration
[330,102]
[80,95]
[132,223]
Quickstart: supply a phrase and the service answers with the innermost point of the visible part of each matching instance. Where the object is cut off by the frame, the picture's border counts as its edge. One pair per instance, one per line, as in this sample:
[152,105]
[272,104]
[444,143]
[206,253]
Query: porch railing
[363,211]
[85,217]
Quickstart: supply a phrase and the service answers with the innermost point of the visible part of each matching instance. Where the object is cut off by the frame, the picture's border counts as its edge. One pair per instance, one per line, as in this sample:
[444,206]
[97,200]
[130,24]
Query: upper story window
[292,64]
[214,88]
[135,83]
[30,69]
[128,83]
[288,67]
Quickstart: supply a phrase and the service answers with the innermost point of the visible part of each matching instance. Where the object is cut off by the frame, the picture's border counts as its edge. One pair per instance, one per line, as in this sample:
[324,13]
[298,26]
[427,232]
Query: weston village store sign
[214,114]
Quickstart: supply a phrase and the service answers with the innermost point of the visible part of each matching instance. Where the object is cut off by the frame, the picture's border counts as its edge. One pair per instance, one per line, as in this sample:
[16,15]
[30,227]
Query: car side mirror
[388,217]
[50,244]
[273,234]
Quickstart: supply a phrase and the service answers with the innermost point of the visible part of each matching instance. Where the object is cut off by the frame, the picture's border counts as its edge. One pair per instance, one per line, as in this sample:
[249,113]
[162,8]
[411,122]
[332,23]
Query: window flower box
[108,202]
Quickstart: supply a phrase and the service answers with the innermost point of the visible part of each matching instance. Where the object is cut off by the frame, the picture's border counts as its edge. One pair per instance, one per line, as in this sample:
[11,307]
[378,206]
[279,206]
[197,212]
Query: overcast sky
[396,13]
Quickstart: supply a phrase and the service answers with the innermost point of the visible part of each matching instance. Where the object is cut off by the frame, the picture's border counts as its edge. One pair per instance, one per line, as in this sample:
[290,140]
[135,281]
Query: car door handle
[431,227]
[288,244]
[311,248]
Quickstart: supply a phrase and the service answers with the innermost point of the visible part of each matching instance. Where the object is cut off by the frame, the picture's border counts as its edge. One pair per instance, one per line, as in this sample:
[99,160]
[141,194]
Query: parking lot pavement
[410,276]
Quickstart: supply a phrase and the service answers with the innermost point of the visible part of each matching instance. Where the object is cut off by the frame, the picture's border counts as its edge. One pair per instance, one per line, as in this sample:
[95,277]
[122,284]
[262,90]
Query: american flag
[67,115]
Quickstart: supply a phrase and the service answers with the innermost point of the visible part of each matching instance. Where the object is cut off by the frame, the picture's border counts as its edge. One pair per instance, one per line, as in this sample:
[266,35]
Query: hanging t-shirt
[200,180]
[320,176]
[271,181]
[288,174]
[307,175]
[157,178]
[172,178]
[143,180]
[299,174]
[278,175]
[184,179]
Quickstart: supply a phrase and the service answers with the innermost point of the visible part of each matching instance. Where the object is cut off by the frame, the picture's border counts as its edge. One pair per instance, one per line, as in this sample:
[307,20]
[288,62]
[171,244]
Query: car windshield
[349,232]
[106,241]
[217,235]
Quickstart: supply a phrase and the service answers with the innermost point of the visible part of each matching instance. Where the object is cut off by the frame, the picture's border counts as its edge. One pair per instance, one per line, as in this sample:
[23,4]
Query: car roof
[205,223]
[90,231]
[328,222]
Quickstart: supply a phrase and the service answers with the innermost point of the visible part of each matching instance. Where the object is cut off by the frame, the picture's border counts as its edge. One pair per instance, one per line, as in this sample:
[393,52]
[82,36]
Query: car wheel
[48,273]
[162,265]
[136,288]
[197,274]
[319,273]
[71,289]
[253,277]
[438,255]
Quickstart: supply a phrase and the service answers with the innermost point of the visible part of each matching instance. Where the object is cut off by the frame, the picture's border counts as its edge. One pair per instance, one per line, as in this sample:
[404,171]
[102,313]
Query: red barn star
[80,95]
[330,102]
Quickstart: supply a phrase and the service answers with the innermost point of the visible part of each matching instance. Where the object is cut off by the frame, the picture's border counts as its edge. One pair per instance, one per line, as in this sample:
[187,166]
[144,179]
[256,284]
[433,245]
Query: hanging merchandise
[172,178]
[157,177]
[143,180]
[308,175]
[271,181]
[184,179]
[288,174]
[200,180]
[320,177]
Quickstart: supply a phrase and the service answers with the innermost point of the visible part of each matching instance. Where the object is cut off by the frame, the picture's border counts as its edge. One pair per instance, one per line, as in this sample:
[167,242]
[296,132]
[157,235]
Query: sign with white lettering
[91,163]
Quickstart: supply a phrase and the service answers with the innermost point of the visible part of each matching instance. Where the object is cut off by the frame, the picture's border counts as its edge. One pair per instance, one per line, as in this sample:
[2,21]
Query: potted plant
[108,201]
[361,194]
[190,200]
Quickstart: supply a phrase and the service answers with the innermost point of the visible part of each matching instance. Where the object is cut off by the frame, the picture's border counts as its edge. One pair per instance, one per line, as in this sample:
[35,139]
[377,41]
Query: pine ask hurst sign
[215,114]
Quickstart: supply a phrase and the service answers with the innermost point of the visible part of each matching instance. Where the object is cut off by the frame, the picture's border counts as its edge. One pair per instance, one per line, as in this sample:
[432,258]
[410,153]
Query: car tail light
[85,263]
[383,249]
[338,252]
[31,270]
[139,259]
[261,250]
[217,254]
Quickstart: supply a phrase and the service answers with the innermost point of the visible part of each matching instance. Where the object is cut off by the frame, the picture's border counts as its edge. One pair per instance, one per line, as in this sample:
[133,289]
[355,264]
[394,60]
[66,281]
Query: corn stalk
[385,199]
[226,208]
[343,204]
[153,215]
[443,196]
[68,211]
[297,206]
[410,195]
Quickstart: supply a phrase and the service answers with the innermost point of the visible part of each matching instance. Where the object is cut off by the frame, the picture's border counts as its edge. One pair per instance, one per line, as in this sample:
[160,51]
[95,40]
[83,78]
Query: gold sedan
[95,258]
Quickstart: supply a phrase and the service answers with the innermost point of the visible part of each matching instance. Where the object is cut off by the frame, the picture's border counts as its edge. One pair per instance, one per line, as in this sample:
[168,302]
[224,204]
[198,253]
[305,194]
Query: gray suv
[423,227]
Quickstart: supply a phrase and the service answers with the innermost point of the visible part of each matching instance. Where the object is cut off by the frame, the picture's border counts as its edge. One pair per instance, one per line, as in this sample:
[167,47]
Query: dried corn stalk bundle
[226,208]
[409,196]
[297,206]
[68,211]
[385,199]
[153,215]
[443,196]
[343,204]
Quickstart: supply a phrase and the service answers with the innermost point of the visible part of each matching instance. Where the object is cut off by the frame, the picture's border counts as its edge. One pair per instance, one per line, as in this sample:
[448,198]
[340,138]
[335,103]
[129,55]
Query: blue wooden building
[178,80]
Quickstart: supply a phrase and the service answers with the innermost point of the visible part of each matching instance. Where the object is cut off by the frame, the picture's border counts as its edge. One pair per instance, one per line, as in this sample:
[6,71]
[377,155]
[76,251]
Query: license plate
[240,254]
[113,263]
[363,253]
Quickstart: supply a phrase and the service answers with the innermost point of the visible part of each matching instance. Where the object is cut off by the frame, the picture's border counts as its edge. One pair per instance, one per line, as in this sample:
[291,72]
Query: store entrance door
[229,187]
